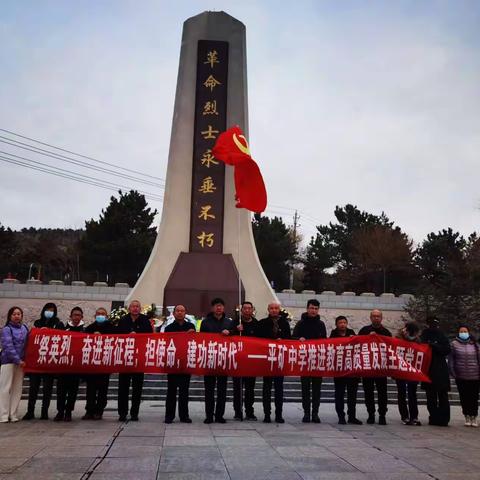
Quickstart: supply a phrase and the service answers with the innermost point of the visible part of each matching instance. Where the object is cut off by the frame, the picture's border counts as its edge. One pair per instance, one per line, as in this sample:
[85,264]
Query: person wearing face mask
[408,411]
[464,366]
[438,405]
[68,383]
[48,319]
[97,383]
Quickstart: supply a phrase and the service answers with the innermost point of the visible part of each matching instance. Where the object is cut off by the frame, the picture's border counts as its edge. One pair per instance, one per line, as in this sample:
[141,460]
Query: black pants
[351,385]
[248,384]
[67,390]
[438,405]
[311,391]
[468,391]
[181,383]
[97,391]
[211,407]
[35,380]
[277,382]
[369,385]
[408,410]
[124,380]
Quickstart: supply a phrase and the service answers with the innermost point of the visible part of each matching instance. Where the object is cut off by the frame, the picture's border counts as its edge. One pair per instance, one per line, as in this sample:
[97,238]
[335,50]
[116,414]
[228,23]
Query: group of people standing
[462,354]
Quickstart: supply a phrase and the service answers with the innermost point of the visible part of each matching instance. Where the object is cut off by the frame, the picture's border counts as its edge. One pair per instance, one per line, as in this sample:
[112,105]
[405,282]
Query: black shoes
[134,418]
[267,419]
[122,418]
[44,416]
[89,416]
[279,419]
[355,421]
[341,421]
[208,420]
[220,420]
[186,420]
[68,417]
[28,416]
[59,417]
[238,417]
[316,418]
[382,420]
[168,420]
[306,418]
[371,419]
[251,417]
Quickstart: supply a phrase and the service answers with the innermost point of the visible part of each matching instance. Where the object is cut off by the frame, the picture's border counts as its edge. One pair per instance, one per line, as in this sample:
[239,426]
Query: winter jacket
[103,328]
[14,340]
[265,328]
[75,328]
[211,324]
[141,325]
[310,328]
[175,326]
[381,330]
[464,359]
[438,372]
[249,328]
[335,333]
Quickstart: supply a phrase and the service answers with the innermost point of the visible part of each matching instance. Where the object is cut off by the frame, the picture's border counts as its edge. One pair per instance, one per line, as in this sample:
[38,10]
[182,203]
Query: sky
[365,102]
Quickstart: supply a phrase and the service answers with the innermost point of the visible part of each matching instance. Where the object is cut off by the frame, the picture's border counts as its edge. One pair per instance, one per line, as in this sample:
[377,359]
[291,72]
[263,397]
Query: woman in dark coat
[464,363]
[438,405]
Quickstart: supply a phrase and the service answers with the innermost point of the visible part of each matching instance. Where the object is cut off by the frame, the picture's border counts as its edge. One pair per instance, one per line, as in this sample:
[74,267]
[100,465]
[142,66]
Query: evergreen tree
[117,245]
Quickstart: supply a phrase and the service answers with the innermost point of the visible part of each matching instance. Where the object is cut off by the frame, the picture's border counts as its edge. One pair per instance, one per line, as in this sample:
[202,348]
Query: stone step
[155,388]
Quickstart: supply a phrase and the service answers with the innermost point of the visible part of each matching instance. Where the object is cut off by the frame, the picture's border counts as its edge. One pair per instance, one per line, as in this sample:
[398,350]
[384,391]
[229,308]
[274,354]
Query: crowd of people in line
[459,359]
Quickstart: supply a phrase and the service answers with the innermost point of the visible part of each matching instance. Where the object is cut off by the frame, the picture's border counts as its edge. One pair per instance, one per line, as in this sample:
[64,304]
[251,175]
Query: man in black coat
[438,405]
[369,384]
[97,383]
[68,383]
[48,319]
[246,325]
[133,322]
[216,322]
[310,327]
[276,327]
[350,384]
[180,381]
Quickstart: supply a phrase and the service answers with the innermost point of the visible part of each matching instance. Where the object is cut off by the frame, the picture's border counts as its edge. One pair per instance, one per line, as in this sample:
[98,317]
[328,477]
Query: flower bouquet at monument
[117,313]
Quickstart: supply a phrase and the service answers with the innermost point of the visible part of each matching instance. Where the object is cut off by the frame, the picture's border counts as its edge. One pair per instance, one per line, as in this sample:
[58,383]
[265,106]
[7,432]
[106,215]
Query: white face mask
[463,335]
[48,314]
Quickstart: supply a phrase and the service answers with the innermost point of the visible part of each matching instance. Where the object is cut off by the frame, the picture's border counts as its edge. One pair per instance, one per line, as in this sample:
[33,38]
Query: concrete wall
[32,296]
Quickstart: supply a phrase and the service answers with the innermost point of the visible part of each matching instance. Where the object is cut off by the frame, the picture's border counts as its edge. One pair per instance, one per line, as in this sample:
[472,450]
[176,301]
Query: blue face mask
[100,318]
[48,314]
[463,335]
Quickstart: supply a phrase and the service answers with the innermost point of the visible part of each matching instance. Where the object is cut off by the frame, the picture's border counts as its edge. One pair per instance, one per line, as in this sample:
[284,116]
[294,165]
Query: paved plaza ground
[149,449]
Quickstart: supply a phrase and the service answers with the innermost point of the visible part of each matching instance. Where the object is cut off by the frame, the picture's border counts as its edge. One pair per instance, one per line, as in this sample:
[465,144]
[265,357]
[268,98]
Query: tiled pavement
[149,449]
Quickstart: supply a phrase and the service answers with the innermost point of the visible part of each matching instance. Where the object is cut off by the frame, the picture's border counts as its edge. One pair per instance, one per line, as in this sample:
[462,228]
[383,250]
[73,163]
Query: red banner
[55,351]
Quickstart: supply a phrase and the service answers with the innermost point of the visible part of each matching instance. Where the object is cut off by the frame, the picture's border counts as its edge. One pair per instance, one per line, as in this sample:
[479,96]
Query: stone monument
[204,243]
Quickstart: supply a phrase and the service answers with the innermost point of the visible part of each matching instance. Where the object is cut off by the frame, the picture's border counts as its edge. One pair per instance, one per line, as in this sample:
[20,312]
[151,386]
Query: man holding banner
[369,384]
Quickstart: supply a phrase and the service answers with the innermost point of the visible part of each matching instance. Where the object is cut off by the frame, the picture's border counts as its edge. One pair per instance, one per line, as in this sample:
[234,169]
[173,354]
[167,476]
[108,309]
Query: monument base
[197,278]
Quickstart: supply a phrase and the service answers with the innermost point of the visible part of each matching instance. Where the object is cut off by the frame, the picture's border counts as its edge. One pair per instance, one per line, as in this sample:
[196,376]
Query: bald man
[133,322]
[178,381]
[275,327]
[369,384]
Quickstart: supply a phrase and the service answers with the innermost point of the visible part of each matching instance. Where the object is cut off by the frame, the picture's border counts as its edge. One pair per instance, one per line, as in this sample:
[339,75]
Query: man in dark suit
[276,327]
[180,381]
[133,322]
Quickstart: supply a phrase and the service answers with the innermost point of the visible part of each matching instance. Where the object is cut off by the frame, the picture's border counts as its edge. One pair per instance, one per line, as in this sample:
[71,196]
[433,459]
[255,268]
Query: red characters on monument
[232,148]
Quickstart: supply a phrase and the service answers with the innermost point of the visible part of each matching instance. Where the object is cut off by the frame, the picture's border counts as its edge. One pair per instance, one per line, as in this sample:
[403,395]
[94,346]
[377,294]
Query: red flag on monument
[232,148]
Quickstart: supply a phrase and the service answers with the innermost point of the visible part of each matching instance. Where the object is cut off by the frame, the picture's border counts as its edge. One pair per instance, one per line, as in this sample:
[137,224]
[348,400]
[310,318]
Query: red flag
[232,148]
